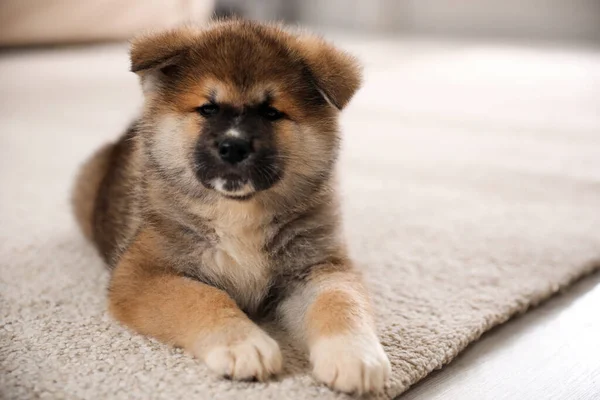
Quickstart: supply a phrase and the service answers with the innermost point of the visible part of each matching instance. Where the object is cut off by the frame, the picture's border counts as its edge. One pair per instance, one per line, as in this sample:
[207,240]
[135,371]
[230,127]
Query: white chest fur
[238,261]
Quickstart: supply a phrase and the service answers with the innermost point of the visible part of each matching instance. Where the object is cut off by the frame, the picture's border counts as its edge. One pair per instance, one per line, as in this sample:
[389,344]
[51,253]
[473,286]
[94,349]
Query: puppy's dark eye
[271,113]
[208,110]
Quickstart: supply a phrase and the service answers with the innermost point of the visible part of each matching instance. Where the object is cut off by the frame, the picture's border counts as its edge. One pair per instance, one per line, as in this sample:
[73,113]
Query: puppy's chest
[238,263]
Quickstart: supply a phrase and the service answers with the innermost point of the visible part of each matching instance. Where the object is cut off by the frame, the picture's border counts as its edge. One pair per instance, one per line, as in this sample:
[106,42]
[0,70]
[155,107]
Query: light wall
[577,20]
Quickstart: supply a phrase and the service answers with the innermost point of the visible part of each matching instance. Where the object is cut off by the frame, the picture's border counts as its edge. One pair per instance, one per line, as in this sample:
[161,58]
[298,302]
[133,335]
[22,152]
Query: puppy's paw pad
[351,364]
[256,356]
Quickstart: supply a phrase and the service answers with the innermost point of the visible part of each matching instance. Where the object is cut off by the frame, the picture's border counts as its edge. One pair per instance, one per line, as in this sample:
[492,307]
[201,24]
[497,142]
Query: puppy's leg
[330,312]
[150,298]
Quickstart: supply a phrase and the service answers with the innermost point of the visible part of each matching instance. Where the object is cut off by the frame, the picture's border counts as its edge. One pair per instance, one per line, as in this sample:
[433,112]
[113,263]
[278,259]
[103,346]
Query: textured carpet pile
[459,221]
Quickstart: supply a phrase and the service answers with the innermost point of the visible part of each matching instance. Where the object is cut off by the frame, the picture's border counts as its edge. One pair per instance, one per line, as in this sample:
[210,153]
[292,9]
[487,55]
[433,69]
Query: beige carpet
[471,178]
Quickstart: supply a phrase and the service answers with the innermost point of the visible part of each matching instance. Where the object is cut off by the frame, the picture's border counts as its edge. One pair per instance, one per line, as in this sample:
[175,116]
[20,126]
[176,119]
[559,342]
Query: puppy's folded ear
[154,56]
[337,74]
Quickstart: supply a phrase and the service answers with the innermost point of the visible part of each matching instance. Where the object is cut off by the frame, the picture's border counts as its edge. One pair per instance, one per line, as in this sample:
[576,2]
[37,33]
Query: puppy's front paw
[252,355]
[350,363]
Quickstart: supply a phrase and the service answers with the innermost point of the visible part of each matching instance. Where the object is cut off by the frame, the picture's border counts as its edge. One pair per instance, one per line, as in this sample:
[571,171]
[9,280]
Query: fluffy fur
[198,245]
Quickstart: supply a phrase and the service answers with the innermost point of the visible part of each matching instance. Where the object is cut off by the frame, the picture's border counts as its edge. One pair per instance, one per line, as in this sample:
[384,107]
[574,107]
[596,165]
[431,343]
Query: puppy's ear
[154,56]
[337,73]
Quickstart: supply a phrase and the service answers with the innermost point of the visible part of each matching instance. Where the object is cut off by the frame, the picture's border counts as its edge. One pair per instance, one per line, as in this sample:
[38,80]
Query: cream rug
[471,180]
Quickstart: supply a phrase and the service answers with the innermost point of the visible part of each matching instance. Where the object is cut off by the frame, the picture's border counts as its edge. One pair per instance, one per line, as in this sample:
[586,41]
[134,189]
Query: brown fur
[187,259]
[187,308]
[328,315]
[87,183]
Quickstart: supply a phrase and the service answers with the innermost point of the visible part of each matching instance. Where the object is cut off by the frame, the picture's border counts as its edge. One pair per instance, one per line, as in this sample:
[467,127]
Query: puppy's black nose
[234,150]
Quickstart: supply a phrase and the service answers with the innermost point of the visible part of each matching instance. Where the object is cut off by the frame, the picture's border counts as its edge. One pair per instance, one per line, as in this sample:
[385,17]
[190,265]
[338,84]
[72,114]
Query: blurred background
[47,21]
[512,19]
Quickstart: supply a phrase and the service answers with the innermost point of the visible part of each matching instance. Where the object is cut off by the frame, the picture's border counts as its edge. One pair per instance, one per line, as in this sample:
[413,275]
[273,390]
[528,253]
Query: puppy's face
[241,108]
[237,152]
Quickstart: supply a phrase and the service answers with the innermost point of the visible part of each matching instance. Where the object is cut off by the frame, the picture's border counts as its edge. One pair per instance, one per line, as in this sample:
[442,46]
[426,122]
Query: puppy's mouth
[233,187]
[240,181]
